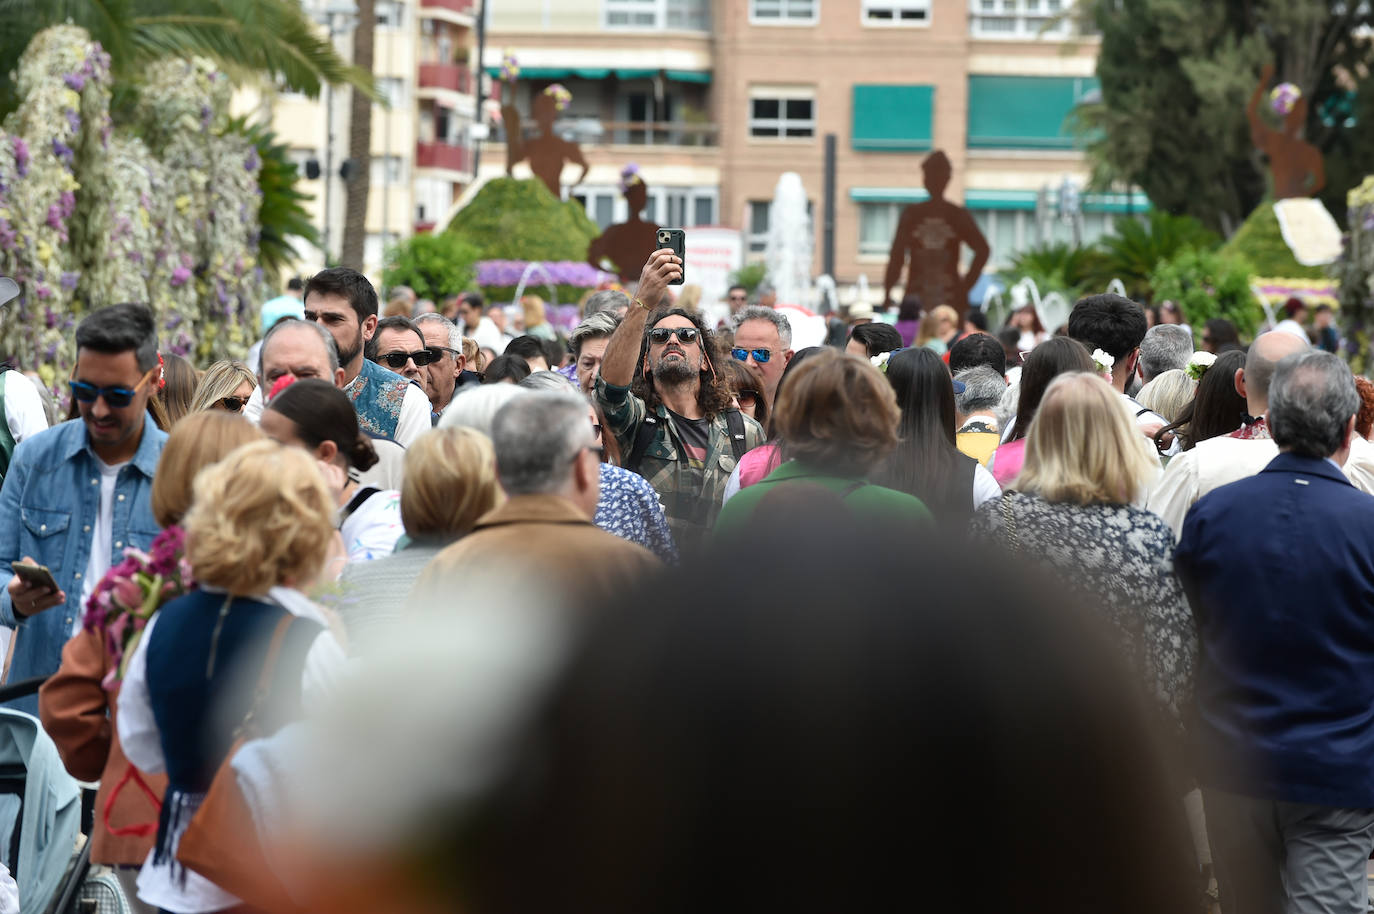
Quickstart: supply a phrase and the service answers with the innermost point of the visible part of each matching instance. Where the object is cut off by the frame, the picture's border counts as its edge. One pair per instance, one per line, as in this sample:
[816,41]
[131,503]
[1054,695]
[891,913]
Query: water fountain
[788,252]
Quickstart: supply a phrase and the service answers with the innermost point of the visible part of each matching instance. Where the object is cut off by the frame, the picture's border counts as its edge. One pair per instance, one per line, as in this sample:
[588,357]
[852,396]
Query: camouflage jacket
[691,495]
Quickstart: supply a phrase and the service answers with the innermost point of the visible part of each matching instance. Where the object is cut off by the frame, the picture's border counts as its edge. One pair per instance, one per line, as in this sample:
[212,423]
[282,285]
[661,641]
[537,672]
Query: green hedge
[434,266]
[520,220]
[1209,284]
[1259,242]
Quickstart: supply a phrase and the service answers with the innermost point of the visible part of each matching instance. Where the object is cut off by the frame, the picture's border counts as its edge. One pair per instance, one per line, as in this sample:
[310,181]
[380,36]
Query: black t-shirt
[695,438]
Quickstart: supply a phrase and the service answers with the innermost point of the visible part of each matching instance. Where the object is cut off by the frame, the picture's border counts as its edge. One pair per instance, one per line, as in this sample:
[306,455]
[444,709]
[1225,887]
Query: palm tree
[359,144]
[268,40]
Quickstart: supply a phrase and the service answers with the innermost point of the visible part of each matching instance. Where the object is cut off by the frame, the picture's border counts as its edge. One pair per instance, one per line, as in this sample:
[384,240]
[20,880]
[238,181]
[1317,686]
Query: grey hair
[547,380]
[606,300]
[475,409]
[1165,347]
[593,326]
[455,339]
[1006,407]
[535,438]
[776,318]
[1311,400]
[983,389]
[287,323]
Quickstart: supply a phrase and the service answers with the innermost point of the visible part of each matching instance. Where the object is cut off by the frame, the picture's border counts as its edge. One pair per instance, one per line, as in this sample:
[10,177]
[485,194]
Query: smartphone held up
[675,240]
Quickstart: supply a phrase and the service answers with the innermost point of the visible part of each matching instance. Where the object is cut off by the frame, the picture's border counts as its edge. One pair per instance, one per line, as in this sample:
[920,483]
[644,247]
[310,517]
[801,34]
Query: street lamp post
[339,18]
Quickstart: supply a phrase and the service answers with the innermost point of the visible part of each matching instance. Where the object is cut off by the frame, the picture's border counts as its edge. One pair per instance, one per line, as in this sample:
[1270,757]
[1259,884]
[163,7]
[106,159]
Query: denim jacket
[48,508]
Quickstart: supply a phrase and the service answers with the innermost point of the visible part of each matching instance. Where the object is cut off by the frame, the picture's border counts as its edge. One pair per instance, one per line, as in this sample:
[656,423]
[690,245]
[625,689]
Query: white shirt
[24,413]
[101,536]
[1288,325]
[372,530]
[1211,464]
[985,487]
[412,422]
[486,336]
[161,885]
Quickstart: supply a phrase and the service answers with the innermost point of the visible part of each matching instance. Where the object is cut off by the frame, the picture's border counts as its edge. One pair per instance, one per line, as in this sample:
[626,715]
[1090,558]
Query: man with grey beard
[669,411]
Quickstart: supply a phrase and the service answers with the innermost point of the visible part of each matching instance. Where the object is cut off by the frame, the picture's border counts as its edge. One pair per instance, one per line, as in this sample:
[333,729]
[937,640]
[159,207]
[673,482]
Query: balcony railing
[452,76]
[593,133]
[453,6]
[442,155]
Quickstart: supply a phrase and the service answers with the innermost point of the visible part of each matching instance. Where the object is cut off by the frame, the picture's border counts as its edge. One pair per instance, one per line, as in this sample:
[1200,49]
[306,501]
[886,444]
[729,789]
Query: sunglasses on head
[421,357]
[661,335]
[760,355]
[233,404]
[115,397]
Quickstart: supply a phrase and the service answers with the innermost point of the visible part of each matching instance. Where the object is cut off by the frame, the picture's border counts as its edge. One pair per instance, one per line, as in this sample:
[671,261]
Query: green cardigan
[867,501]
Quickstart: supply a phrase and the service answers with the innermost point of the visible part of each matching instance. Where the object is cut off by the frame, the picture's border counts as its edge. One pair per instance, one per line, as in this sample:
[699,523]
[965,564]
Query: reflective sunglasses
[233,404]
[661,335]
[422,357]
[115,397]
[760,355]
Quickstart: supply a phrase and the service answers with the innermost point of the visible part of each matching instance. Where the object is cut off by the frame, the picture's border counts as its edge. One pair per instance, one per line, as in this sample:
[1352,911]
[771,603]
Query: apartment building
[714,99]
[424,60]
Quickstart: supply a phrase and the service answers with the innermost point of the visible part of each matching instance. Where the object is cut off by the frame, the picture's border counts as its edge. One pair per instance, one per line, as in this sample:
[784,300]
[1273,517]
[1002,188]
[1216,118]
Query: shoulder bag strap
[1009,524]
[643,438]
[269,669]
[734,419]
[356,502]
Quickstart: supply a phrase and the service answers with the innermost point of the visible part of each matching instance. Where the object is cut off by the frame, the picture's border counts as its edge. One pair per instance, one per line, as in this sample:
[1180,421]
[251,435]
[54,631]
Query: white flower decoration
[1103,363]
[1197,366]
[880,361]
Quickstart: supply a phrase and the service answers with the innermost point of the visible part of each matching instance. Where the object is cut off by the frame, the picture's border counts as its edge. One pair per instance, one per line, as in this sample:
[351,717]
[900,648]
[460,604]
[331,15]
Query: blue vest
[377,395]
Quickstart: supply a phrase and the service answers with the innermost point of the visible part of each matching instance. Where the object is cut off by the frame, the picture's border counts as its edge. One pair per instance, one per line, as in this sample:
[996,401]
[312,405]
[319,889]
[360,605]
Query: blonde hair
[1083,446]
[533,307]
[199,440]
[1168,393]
[219,381]
[689,299]
[261,517]
[450,481]
[934,316]
[472,355]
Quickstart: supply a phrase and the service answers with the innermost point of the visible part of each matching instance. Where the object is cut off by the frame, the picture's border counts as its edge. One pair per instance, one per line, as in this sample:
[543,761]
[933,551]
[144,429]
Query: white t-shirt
[24,412]
[1288,325]
[102,533]
[373,528]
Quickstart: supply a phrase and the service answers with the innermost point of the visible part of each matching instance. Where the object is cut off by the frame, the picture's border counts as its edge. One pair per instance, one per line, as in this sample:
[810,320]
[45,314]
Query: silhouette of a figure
[629,244]
[929,236]
[546,151]
[1295,163]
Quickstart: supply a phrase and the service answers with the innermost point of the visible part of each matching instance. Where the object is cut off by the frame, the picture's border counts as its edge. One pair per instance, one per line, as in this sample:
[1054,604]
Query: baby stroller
[41,819]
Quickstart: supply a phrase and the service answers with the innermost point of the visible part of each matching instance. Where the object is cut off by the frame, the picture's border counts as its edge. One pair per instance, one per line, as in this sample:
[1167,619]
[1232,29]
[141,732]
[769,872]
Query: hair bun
[364,456]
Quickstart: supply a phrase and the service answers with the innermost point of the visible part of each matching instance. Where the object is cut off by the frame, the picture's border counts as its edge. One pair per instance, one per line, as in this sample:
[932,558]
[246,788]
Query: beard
[673,371]
[348,355]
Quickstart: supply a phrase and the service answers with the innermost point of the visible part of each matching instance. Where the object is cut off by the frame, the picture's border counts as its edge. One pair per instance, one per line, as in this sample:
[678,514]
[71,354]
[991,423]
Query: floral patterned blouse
[1119,559]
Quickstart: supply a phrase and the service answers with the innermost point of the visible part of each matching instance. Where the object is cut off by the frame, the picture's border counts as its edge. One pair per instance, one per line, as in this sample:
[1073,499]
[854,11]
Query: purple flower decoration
[21,156]
[253,162]
[135,256]
[180,276]
[67,201]
[69,279]
[49,319]
[73,120]
[62,151]
[75,81]
[205,115]
[55,217]
[43,293]
[7,236]
[174,322]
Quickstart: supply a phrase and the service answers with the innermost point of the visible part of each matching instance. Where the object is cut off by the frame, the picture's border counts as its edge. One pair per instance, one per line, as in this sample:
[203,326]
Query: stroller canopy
[40,810]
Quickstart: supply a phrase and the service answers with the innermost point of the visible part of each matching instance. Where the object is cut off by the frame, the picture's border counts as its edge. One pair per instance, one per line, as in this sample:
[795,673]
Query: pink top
[757,464]
[1006,461]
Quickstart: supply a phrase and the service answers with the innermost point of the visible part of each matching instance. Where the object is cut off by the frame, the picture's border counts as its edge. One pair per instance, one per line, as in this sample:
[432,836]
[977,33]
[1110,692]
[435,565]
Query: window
[679,206]
[786,12]
[678,15]
[388,170]
[757,234]
[877,226]
[390,14]
[1023,19]
[392,89]
[705,211]
[782,118]
[896,12]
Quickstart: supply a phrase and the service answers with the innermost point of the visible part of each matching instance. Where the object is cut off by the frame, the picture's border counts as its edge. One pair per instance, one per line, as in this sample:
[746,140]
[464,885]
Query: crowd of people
[518,622]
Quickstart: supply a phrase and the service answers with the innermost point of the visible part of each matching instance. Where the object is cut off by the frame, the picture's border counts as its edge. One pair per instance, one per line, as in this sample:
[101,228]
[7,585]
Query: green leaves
[282,213]
[434,265]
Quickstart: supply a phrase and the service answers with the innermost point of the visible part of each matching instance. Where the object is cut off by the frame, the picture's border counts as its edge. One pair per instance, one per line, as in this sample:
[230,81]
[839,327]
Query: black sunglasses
[115,397]
[760,355]
[660,335]
[438,352]
[422,357]
[233,404]
[747,397]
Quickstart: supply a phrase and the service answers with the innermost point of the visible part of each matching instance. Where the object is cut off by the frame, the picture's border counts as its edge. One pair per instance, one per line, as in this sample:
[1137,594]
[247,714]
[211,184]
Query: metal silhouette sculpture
[929,237]
[628,244]
[546,151]
[1296,165]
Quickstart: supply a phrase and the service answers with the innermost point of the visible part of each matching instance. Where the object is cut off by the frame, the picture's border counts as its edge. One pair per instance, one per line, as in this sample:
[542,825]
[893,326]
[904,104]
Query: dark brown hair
[1046,362]
[714,395]
[837,414]
[739,378]
[323,413]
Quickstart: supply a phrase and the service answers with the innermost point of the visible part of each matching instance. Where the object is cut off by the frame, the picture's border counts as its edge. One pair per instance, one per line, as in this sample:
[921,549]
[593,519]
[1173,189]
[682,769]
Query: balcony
[447,156]
[462,7]
[451,76]
[593,134]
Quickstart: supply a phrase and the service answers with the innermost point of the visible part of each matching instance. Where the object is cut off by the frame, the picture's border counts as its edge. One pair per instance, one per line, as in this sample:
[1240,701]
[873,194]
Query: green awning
[893,118]
[1004,199]
[1023,112]
[682,76]
[888,195]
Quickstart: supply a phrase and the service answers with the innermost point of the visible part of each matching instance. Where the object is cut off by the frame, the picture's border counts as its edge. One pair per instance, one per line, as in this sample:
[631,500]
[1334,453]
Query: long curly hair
[714,394]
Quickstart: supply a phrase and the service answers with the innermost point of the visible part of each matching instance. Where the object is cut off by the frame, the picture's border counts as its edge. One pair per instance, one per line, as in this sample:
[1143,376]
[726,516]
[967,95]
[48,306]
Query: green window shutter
[1023,112]
[893,118]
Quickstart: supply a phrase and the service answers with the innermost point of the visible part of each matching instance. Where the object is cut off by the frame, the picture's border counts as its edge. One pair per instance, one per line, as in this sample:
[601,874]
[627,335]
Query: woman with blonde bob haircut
[450,482]
[226,385]
[260,526]
[837,417]
[1070,511]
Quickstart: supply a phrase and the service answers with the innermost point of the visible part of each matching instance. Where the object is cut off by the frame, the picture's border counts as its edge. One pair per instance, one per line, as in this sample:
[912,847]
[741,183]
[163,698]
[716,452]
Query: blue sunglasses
[760,355]
[115,397]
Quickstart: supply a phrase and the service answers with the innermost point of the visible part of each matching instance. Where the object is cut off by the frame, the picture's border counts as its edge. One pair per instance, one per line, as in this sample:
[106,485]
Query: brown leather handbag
[221,842]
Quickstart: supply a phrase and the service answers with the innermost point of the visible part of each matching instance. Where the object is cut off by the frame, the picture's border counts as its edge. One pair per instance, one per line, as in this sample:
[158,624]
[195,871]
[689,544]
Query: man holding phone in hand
[77,495]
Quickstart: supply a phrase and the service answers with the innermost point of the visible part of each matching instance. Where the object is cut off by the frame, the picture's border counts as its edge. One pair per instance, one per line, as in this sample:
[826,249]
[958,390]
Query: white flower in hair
[880,361]
[1197,366]
[1103,363]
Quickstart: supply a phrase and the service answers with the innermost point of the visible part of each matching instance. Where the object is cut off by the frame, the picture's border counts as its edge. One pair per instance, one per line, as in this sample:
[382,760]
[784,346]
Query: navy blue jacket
[1279,569]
